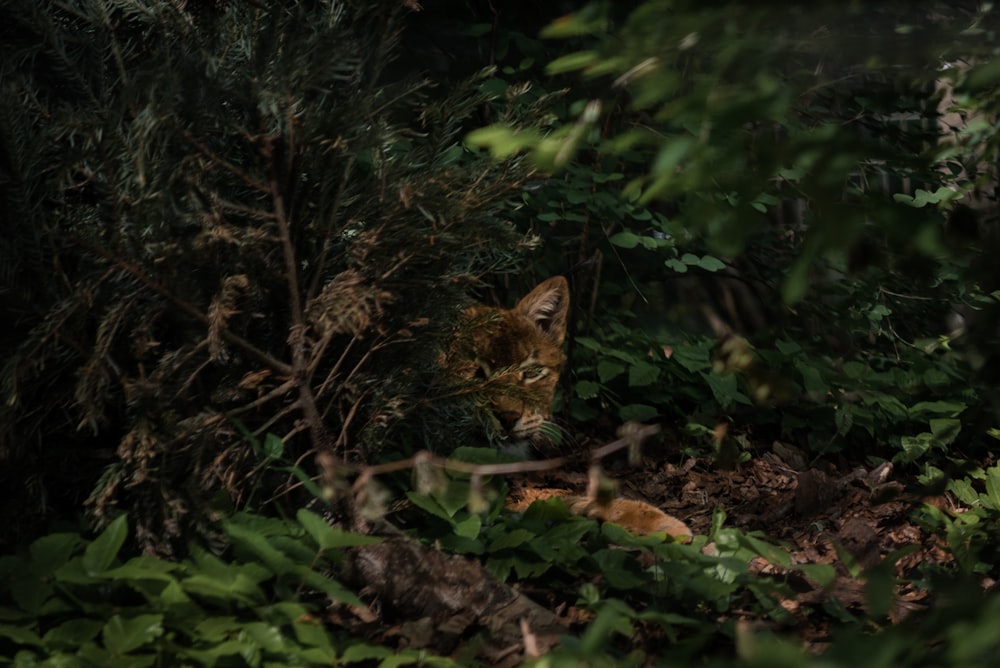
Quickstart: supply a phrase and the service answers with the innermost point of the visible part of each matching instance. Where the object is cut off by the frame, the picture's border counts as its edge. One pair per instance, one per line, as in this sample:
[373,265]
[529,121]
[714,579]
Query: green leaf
[709,263]
[945,430]
[429,505]
[725,389]
[993,487]
[326,536]
[637,413]
[571,62]
[20,635]
[273,446]
[50,552]
[586,389]
[769,551]
[100,554]
[122,635]
[914,447]
[143,568]
[609,370]
[671,154]
[363,652]
[510,539]
[642,374]
[936,408]
[314,635]
[676,265]
[469,527]
[73,633]
[822,574]
[692,358]
[625,239]
[258,545]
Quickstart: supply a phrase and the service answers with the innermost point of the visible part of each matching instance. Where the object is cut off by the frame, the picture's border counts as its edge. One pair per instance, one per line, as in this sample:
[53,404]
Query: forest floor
[849,517]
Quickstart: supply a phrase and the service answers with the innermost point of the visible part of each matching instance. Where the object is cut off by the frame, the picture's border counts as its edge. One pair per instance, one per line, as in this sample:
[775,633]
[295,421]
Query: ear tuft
[547,307]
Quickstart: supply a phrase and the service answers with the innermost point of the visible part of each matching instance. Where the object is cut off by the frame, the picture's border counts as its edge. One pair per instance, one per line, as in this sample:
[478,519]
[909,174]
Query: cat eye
[533,373]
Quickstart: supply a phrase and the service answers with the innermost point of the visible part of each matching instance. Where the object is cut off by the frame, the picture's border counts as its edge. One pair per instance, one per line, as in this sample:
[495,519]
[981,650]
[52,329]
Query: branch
[145,279]
[297,331]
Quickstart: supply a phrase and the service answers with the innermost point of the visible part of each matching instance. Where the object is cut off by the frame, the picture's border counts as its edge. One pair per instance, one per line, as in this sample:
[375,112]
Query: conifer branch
[145,279]
[297,330]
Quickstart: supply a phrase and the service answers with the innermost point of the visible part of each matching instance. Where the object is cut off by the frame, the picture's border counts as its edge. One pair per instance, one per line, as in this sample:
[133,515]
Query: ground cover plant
[238,243]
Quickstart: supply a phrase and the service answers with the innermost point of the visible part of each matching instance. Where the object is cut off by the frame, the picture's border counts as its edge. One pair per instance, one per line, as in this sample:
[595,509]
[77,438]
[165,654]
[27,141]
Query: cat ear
[547,306]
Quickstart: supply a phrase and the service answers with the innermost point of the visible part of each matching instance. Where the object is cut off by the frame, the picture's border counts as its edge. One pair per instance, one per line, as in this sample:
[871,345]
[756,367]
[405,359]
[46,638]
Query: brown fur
[517,353]
[637,517]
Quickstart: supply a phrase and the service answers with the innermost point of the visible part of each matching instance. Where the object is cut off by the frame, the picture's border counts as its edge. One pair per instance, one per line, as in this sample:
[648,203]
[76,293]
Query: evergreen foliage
[222,219]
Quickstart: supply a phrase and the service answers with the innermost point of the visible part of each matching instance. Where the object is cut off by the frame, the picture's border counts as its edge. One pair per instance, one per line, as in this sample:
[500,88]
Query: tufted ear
[547,306]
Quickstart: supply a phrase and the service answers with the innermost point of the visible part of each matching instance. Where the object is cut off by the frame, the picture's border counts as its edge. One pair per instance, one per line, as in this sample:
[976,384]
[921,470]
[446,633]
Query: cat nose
[508,420]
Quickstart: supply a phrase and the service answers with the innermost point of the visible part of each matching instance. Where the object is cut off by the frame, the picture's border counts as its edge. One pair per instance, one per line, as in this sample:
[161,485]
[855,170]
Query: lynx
[516,355]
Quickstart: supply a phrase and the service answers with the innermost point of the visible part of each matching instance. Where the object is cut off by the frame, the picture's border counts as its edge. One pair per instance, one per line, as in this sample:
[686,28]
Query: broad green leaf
[73,633]
[469,527]
[936,408]
[725,389]
[326,536]
[671,154]
[613,565]
[821,574]
[257,544]
[101,553]
[216,628]
[266,635]
[993,487]
[642,374]
[774,554]
[238,589]
[692,358]
[314,634]
[429,505]
[586,389]
[964,491]
[510,539]
[330,587]
[143,568]
[363,652]
[124,634]
[572,61]
[637,413]
[709,263]
[273,446]
[50,552]
[915,447]
[20,635]
[608,370]
[945,430]
[625,239]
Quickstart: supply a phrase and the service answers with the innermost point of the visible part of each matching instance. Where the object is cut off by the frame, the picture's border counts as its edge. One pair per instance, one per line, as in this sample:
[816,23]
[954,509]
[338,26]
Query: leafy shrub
[73,601]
